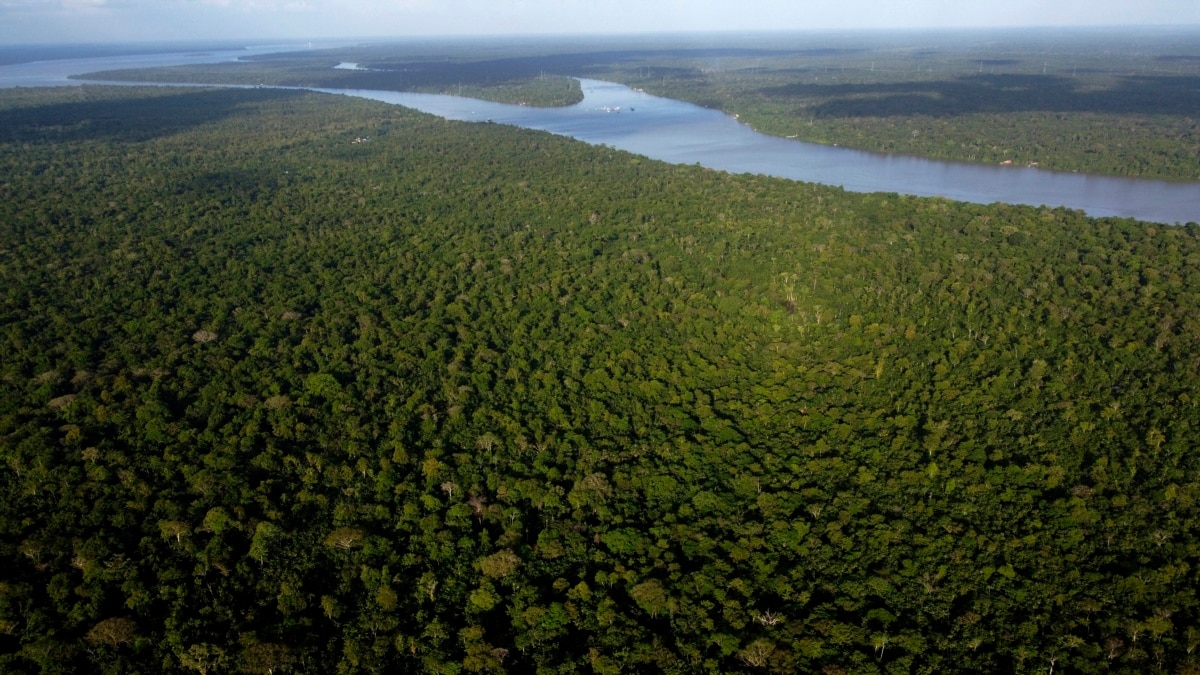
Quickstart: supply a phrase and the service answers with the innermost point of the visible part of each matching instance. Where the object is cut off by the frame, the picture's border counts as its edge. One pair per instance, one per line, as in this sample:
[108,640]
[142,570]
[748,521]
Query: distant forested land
[507,83]
[1105,101]
[467,398]
[1106,113]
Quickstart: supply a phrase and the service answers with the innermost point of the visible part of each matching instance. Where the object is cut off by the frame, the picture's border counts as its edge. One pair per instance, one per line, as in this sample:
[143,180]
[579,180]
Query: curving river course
[683,133]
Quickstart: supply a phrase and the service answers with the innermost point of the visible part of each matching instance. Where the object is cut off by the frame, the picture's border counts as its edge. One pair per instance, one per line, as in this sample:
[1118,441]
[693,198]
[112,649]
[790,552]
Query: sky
[74,21]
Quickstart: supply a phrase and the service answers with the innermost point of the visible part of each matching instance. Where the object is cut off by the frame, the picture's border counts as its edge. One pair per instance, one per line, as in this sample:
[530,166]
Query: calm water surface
[674,131]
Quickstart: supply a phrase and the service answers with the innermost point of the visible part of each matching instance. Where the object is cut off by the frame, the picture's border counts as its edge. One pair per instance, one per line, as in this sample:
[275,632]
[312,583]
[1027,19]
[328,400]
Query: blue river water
[678,132]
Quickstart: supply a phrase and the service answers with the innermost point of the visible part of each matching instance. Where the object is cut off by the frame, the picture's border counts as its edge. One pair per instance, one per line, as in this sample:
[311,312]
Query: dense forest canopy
[1106,101]
[300,383]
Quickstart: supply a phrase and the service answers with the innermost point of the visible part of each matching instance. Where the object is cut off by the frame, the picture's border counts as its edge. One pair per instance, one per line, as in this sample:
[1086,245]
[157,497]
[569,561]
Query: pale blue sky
[34,21]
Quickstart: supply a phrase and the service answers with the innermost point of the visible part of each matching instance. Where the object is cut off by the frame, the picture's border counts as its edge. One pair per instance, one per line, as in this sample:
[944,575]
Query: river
[682,133]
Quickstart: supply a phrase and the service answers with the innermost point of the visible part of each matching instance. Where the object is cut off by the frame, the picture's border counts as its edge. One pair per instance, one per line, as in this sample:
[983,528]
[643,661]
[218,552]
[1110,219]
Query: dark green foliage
[471,398]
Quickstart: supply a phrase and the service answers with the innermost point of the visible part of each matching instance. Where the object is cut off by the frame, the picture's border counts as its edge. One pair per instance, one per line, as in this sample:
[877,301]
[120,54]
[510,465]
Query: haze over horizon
[97,21]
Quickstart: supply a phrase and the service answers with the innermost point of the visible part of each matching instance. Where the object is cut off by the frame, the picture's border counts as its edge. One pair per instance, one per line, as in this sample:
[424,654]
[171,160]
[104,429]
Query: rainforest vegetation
[292,382]
[1119,102]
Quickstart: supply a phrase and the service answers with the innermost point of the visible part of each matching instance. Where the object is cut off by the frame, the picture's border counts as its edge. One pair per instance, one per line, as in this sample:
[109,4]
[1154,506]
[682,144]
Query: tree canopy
[468,398]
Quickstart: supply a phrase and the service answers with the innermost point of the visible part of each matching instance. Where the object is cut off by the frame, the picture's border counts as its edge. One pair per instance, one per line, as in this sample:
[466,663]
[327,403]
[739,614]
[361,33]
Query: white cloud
[262,5]
[331,7]
[26,4]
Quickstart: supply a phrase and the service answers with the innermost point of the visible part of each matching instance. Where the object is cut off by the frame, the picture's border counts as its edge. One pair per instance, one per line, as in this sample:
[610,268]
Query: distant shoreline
[31,53]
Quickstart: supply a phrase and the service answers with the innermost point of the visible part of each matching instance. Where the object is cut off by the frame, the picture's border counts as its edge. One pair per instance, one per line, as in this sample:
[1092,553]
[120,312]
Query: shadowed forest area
[98,114]
[973,94]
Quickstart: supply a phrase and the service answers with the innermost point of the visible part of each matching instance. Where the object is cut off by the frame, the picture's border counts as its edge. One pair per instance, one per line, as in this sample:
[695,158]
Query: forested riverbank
[300,382]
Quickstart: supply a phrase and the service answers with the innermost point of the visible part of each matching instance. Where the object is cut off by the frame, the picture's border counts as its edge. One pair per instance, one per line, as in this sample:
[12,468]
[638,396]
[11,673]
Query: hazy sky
[32,21]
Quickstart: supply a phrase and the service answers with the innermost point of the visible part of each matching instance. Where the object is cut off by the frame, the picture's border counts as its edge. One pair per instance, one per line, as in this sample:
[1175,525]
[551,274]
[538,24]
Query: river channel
[683,133]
